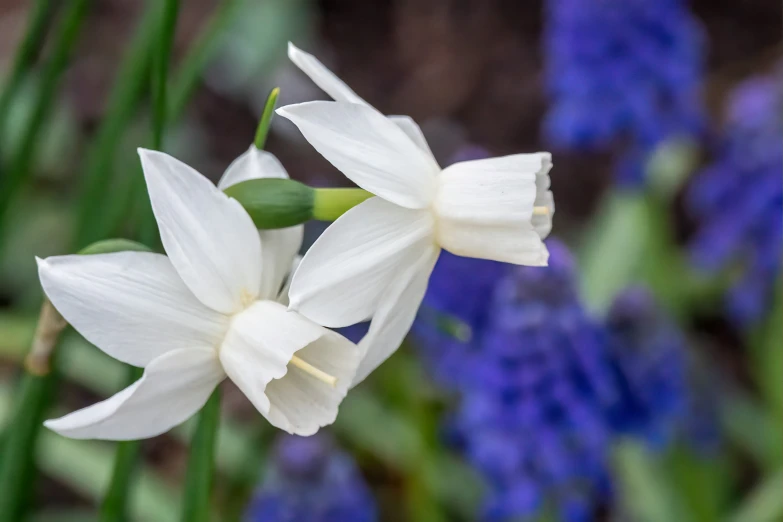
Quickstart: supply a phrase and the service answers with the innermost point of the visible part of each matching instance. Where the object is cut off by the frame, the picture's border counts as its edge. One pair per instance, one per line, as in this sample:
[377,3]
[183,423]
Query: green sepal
[273,202]
[109,246]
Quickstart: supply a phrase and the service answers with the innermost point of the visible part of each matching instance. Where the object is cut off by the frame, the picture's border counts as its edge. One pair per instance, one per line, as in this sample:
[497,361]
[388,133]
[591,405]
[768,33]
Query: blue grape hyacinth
[531,418]
[648,354]
[737,201]
[622,70]
[309,480]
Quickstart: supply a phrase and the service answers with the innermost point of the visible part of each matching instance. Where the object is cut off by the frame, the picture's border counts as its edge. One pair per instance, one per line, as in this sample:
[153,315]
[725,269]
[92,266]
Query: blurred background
[639,377]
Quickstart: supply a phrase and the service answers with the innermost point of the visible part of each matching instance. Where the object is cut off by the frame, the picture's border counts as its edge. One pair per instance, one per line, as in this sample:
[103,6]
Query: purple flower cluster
[544,387]
[622,70]
[311,481]
[737,201]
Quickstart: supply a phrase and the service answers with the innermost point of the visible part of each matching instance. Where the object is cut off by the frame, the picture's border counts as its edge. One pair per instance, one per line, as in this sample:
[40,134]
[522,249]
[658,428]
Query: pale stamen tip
[540,211]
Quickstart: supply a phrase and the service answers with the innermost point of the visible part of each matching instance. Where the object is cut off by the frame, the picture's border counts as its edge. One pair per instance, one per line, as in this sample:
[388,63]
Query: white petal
[542,223]
[256,355]
[395,315]
[208,236]
[174,387]
[252,164]
[282,298]
[484,209]
[131,305]
[322,77]
[369,149]
[413,131]
[279,246]
[343,275]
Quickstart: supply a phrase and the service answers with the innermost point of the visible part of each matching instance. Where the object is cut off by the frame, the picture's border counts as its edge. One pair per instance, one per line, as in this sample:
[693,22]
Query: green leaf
[645,493]
[201,463]
[614,249]
[764,503]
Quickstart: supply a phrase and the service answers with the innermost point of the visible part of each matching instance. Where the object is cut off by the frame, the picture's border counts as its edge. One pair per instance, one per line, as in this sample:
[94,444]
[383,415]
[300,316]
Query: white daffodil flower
[375,260]
[339,91]
[207,311]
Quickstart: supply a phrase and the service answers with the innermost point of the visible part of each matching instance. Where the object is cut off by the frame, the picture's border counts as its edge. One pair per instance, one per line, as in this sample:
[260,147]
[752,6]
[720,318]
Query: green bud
[109,246]
[274,202]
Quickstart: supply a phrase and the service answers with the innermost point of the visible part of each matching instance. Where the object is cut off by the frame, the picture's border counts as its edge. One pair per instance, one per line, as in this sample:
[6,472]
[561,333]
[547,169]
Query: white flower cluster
[229,301]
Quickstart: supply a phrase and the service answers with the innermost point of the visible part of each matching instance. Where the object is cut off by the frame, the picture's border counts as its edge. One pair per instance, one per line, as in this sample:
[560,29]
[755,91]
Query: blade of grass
[129,88]
[201,463]
[40,15]
[161,55]
[21,160]
[114,507]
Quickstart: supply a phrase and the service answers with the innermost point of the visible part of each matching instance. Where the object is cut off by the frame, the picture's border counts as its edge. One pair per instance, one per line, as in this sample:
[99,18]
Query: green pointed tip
[266,119]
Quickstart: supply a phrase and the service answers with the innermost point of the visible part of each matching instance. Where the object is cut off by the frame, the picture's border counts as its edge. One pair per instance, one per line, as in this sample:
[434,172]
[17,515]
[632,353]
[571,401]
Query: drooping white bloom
[207,311]
[375,260]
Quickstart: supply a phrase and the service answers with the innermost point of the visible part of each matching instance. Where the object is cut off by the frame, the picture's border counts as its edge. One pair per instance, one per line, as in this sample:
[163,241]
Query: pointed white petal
[280,246]
[343,275]
[369,149]
[208,236]
[485,207]
[322,77]
[395,315]
[413,131]
[131,305]
[282,298]
[542,223]
[174,387]
[252,164]
[256,355]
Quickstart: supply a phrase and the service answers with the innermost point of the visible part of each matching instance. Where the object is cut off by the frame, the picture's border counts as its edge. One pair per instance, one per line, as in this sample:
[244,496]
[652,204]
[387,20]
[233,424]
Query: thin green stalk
[22,159]
[117,498]
[18,471]
[127,93]
[40,16]
[167,21]
[201,463]
[266,119]
[201,53]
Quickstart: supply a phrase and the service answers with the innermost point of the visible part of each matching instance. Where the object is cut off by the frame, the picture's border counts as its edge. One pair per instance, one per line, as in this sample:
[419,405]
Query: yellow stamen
[315,372]
[540,211]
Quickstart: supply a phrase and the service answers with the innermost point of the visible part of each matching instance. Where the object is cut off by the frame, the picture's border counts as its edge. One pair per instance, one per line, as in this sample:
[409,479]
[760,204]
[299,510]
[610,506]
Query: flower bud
[274,203]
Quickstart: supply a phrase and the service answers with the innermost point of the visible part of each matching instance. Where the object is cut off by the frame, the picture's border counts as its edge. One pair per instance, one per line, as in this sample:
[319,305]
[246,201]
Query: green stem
[29,48]
[266,119]
[201,463]
[148,230]
[127,93]
[117,498]
[22,159]
[331,203]
[17,473]
[197,59]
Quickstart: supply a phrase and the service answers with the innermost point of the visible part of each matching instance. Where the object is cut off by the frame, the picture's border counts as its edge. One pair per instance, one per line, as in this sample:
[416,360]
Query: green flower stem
[126,95]
[21,160]
[201,464]
[266,119]
[193,65]
[273,202]
[117,498]
[331,203]
[40,15]
[17,473]
[167,21]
